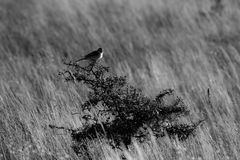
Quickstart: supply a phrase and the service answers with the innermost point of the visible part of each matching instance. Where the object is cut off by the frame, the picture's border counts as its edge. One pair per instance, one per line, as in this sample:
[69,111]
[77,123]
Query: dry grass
[186,45]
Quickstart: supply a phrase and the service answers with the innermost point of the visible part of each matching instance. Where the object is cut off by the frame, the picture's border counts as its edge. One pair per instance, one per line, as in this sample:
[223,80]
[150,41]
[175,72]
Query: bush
[123,112]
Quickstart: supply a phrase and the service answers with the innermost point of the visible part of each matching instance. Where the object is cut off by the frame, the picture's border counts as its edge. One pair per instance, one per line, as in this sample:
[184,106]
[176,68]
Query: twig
[57,127]
[209,97]
[75,113]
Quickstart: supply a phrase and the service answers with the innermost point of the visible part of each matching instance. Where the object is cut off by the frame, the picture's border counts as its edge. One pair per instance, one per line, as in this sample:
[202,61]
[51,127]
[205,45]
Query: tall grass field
[191,46]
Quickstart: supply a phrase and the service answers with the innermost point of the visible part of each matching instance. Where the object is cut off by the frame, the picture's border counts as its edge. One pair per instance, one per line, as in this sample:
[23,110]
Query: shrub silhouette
[122,112]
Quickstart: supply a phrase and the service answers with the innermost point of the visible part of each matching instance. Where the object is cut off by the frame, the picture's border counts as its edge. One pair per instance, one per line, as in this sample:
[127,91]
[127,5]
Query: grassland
[187,45]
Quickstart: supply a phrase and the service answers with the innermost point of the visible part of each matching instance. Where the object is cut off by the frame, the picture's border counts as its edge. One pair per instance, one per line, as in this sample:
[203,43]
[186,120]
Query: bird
[94,56]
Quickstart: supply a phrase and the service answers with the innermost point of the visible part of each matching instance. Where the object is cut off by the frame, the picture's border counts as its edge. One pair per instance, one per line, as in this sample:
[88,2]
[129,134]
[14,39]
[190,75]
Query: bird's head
[100,50]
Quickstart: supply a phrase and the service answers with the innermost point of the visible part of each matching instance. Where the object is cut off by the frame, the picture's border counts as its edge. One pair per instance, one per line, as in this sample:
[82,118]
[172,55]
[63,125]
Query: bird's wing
[89,55]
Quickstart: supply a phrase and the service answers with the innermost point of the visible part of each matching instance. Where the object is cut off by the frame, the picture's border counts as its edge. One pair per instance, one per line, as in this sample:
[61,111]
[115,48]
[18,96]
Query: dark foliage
[122,111]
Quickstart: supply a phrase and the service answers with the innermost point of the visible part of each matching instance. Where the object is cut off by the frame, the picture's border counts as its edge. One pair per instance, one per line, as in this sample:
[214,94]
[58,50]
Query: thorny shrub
[123,112]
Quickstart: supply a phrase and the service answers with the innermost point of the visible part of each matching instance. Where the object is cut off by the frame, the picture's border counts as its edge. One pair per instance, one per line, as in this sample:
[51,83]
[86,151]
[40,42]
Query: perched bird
[94,56]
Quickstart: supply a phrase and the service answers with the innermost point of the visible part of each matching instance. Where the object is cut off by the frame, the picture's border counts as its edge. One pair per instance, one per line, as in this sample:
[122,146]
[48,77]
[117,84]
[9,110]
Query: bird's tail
[79,60]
